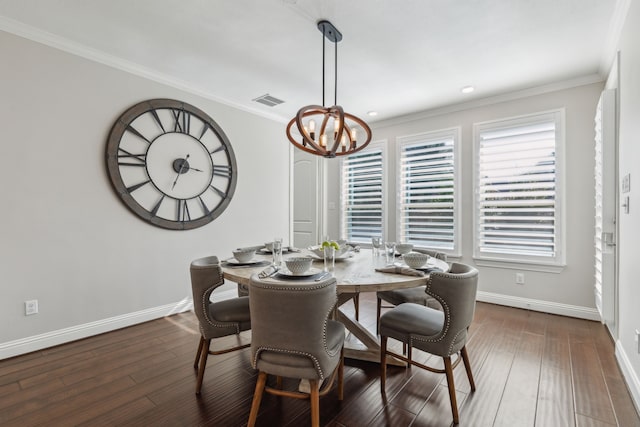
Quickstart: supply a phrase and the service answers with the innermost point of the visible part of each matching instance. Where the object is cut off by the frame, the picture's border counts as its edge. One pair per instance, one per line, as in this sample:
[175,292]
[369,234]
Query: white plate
[310,272]
[234,261]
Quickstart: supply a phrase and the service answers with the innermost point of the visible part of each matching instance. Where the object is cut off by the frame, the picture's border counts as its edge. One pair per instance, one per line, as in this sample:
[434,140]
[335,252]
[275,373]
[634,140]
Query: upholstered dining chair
[415,295]
[293,337]
[216,320]
[441,333]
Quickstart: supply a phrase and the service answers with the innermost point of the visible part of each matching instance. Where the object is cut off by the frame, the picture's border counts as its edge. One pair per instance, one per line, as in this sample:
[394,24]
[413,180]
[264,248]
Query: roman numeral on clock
[222,170]
[126,158]
[183,211]
[182,121]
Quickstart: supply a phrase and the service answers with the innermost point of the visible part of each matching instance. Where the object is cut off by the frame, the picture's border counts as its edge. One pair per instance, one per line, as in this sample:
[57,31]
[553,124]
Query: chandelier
[328,131]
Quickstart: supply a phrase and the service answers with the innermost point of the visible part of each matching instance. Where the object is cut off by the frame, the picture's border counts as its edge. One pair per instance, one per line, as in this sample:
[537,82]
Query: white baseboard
[630,377]
[540,305]
[61,336]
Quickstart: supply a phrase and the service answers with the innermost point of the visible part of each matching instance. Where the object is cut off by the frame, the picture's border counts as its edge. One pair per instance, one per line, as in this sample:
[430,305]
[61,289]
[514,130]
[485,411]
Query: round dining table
[354,273]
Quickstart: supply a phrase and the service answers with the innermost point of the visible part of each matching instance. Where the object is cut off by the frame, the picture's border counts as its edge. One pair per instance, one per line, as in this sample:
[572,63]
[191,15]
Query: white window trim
[456,133]
[382,146]
[518,262]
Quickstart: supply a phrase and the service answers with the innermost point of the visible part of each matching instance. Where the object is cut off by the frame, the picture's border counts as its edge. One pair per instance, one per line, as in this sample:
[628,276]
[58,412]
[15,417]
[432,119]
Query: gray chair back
[456,291]
[438,255]
[206,276]
[292,335]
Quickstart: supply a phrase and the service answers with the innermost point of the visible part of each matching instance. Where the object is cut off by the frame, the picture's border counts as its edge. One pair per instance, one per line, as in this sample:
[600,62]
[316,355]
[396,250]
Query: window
[427,193]
[518,205]
[362,195]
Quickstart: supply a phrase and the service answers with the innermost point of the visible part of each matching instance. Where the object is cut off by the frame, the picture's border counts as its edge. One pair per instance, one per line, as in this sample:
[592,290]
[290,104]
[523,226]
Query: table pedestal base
[367,346]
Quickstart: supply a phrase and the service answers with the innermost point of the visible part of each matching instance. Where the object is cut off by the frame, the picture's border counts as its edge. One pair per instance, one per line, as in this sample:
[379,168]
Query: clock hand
[195,169]
[180,171]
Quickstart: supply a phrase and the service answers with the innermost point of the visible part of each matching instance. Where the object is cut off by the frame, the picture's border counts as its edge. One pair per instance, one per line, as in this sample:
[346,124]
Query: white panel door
[605,210]
[306,191]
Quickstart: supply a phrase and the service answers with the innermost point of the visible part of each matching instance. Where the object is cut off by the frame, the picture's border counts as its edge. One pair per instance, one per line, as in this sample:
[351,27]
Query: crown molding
[616,25]
[43,37]
[491,100]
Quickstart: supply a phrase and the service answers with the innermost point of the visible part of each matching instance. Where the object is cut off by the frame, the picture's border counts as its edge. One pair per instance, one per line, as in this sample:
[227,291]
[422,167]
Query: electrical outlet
[519,278]
[31,307]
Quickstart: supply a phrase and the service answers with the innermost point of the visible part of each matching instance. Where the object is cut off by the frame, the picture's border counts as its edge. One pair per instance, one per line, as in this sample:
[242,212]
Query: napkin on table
[407,271]
[269,271]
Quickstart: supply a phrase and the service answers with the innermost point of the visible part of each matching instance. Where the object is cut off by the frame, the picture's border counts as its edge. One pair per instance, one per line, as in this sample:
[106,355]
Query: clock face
[171,164]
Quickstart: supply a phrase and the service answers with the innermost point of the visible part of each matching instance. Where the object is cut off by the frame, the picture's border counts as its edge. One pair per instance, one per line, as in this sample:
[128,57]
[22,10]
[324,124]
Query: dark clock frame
[182,112]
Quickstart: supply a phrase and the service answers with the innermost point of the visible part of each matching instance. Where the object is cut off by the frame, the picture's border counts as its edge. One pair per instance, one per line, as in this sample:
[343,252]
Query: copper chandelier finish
[341,138]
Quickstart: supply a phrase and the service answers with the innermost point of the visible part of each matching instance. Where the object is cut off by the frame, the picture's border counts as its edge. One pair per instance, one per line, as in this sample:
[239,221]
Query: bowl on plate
[269,246]
[404,248]
[415,259]
[244,255]
[298,265]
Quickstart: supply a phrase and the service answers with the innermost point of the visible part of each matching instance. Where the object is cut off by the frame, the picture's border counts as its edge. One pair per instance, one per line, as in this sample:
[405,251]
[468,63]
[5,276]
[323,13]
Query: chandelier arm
[338,114]
[314,150]
[309,110]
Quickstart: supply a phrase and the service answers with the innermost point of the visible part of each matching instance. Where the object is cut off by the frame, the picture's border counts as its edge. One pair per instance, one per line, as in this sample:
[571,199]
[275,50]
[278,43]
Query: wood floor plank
[518,404]
[438,413]
[584,421]
[393,416]
[591,393]
[416,392]
[481,407]
[555,399]
[143,376]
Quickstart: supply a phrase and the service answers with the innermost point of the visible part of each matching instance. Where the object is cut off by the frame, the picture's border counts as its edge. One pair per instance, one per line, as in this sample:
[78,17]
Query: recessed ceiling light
[372,113]
[467,89]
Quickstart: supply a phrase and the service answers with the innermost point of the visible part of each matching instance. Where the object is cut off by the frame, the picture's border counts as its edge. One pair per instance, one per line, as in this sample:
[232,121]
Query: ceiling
[396,57]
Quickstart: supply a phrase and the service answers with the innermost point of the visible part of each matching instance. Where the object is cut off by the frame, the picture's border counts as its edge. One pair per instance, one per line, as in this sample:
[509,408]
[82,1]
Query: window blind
[426,197]
[517,189]
[362,196]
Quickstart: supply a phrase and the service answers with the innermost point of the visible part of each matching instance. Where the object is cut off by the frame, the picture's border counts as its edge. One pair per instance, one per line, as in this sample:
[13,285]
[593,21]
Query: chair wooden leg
[315,403]
[452,388]
[378,310]
[409,348]
[257,397]
[203,364]
[467,367]
[383,363]
[199,353]
[279,382]
[341,376]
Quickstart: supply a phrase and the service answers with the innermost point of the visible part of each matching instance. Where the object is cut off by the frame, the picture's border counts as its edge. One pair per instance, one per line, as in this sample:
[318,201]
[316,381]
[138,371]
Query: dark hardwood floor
[531,369]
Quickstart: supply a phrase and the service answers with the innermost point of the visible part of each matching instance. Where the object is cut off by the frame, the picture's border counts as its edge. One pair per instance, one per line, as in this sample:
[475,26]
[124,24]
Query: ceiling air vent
[268,100]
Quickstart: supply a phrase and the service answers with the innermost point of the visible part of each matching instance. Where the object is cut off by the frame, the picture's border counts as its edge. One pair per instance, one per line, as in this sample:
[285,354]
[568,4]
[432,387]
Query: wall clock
[171,164]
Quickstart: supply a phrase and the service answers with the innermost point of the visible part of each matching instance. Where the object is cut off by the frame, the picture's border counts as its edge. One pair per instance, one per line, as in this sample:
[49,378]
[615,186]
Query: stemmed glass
[277,251]
[375,243]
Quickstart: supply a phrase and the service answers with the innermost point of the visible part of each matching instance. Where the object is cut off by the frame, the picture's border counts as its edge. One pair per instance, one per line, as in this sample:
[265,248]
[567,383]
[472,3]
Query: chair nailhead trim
[447,313]
[297,353]
[205,309]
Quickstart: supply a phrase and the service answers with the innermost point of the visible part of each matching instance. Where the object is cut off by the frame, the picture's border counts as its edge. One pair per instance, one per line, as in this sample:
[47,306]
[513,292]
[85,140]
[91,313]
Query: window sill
[519,265]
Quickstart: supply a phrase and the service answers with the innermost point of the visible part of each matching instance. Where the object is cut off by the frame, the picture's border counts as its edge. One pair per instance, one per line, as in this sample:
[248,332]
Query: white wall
[627,349]
[66,239]
[569,292]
